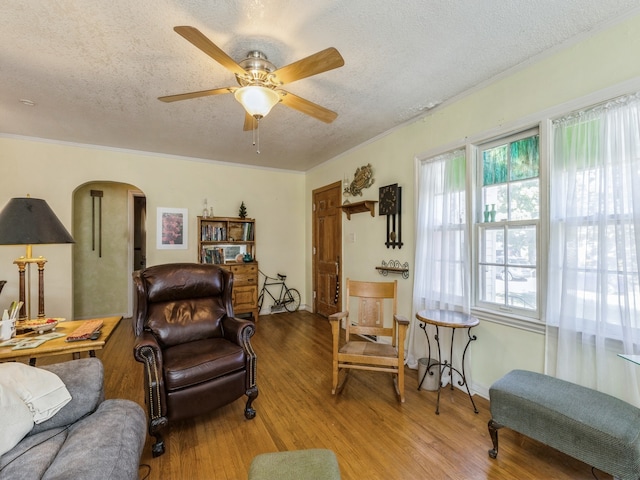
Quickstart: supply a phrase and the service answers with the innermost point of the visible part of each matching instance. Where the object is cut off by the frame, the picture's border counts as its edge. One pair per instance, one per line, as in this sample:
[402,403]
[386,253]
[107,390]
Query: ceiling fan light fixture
[256,100]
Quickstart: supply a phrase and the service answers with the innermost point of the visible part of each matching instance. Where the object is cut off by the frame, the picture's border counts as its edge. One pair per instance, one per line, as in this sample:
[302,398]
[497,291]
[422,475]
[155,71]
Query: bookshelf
[221,239]
[225,241]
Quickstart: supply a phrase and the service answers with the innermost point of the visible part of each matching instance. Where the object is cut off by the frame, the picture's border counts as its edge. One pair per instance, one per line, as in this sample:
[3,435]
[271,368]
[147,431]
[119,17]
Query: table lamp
[30,221]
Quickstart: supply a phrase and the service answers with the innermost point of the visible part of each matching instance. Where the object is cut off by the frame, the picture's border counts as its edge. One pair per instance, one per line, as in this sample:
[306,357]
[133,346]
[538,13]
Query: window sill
[513,321]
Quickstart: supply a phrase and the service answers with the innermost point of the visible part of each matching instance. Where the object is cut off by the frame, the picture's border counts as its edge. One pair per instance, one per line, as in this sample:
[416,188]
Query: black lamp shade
[30,221]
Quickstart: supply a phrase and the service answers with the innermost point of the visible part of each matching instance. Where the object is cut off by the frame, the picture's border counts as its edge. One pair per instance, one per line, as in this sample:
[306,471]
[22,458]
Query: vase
[492,213]
[486,213]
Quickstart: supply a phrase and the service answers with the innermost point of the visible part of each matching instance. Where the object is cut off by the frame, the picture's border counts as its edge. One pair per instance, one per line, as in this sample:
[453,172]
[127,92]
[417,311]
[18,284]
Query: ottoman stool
[313,464]
[596,428]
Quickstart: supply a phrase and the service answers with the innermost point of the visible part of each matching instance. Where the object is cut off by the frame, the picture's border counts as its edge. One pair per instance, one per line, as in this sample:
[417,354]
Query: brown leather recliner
[197,357]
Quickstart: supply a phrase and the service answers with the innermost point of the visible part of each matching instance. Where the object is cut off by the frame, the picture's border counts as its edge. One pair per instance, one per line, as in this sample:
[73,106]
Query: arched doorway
[109,229]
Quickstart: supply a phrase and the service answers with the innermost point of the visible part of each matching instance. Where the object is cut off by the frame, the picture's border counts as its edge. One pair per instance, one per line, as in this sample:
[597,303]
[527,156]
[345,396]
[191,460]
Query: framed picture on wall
[173,228]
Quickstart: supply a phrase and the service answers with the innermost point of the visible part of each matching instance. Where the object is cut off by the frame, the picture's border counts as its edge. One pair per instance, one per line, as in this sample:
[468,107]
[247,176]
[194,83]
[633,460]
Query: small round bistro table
[454,321]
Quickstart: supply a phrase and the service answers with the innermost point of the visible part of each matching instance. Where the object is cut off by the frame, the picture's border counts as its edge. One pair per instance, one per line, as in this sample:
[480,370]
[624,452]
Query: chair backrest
[376,303]
[182,302]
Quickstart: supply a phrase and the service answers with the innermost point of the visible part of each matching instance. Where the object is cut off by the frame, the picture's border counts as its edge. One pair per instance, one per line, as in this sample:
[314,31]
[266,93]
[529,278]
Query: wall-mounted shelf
[394,266]
[359,207]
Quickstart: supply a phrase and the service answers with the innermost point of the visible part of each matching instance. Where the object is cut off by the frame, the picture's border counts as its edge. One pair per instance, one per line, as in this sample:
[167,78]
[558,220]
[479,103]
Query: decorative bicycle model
[289,298]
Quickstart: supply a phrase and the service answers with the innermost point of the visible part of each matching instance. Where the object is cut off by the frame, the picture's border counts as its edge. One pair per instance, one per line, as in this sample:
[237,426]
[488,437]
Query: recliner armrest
[234,329]
[147,351]
[240,331]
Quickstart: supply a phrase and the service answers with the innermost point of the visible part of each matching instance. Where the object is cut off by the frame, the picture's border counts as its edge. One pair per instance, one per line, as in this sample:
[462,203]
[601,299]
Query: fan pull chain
[253,131]
[257,130]
[256,134]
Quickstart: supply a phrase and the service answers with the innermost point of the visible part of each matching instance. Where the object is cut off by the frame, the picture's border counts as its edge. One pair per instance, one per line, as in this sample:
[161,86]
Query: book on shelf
[247,231]
[213,233]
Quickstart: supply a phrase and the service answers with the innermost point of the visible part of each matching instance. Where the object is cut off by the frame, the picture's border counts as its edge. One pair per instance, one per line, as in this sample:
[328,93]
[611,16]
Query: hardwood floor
[373,436]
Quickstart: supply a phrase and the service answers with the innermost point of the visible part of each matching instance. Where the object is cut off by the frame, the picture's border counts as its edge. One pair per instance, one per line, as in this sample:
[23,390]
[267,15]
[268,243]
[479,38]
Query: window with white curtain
[593,306]
[591,290]
[508,225]
[442,270]
[442,266]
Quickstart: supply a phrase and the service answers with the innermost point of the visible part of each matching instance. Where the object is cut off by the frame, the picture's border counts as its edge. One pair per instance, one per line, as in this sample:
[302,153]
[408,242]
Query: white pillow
[15,419]
[42,391]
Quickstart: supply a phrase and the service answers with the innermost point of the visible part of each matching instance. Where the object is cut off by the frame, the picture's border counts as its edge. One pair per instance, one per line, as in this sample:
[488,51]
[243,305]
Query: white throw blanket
[42,391]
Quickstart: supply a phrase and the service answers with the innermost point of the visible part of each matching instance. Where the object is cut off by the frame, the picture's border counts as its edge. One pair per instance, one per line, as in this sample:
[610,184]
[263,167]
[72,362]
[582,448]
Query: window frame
[511,315]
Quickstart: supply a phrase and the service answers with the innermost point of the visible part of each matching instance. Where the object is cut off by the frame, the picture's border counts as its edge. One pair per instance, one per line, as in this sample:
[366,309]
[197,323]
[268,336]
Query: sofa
[87,438]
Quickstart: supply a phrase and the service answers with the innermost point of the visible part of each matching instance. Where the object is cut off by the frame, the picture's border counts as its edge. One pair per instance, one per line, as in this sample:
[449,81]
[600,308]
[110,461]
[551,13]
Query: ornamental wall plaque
[362,178]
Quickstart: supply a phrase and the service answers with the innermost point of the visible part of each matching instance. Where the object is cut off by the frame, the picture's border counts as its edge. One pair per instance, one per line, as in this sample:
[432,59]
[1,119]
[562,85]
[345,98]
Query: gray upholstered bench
[593,427]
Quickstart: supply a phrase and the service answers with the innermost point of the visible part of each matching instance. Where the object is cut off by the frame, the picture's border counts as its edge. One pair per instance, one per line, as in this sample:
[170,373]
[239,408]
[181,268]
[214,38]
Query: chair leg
[252,394]
[399,384]
[493,433]
[155,426]
[340,384]
[157,448]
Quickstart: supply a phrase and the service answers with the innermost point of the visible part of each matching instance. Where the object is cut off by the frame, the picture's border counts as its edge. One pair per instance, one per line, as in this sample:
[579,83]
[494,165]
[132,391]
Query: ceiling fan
[260,81]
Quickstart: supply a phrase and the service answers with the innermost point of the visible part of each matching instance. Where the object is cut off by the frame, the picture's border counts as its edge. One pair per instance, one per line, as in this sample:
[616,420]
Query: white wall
[53,171]
[583,69]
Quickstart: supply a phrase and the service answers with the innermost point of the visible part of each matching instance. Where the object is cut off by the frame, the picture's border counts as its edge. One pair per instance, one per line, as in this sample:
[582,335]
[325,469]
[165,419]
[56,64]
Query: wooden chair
[360,353]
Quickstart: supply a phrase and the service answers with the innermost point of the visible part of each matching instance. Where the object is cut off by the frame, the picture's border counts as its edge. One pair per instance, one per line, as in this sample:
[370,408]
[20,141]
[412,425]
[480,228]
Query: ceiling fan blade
[202,93]
[197,38]
[250,123]
[323,61]
[305,106]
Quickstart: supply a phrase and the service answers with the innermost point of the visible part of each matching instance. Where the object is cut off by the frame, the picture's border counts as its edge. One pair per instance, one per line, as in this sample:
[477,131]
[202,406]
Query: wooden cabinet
[225,241]
[245,287]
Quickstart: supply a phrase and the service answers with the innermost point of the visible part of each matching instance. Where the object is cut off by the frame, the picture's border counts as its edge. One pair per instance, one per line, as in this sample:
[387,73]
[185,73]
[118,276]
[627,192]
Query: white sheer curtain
[593,297]
[442,274]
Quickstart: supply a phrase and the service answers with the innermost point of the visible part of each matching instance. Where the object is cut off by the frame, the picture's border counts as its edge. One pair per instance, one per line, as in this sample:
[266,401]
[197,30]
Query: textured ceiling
[95,69]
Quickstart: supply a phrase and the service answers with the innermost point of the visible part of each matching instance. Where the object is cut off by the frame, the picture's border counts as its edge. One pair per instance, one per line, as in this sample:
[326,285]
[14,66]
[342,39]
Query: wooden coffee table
[59,346]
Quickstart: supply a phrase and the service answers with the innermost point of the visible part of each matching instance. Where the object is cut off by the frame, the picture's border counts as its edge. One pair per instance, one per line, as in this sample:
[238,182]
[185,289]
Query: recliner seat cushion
[200,361]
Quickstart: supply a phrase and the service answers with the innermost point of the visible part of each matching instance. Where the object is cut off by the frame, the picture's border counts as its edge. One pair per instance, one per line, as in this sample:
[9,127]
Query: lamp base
[25,310]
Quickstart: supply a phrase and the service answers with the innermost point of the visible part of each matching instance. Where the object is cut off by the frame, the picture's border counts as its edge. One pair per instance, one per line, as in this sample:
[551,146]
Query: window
[595,216]
[508,225]
[593,292]
[442,265]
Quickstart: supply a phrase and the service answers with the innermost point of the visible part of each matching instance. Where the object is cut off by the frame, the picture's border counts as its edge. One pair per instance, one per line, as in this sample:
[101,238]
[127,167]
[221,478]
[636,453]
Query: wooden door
[327,249]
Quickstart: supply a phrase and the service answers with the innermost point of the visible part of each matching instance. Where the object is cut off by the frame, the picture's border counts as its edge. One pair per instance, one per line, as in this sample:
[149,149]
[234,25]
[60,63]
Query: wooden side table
[58,346]
[453,320]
